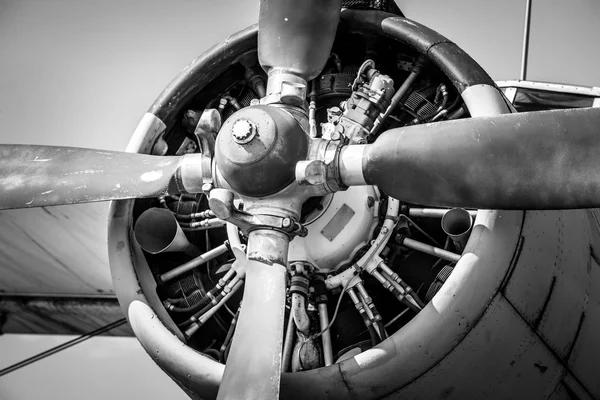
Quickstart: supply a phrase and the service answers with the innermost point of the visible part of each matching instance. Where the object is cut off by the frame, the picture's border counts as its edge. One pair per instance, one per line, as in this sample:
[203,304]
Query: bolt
[207,187]
[370,201]
[335,136]
[399,238]
[286,223]
[315,172]
[243,131]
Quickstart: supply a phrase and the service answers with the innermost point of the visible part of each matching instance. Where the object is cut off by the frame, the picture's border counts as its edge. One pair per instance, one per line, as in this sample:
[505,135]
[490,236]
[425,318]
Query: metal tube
[434,251]
[233,236]
[434,212]
[408,296]
[157,231]
[396,318]
[367,307]
[457,224]
[326,336]
[194,328]
[288,344]
[398,291]
[362,310]
[269,246]
[206,224]
[199,215]
[370,309]
[312,110]
[354,297]
[225,345]
[414,73]
[525,53]
[299,312]
[196,262]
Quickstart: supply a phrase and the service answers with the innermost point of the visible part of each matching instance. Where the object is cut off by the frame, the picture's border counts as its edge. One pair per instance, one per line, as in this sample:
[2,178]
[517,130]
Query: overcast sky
[82,73]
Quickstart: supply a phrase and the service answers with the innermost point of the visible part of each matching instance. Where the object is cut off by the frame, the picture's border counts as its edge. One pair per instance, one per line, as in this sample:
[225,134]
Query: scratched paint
[86,172]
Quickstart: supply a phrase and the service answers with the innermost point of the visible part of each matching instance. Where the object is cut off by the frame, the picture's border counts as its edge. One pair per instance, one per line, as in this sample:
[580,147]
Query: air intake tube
[157,231]
[457,224]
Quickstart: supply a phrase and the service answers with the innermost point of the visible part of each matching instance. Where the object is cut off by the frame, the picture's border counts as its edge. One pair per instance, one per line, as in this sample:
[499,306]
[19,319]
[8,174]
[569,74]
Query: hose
[381,329]
[225,345]
[414,73]
[374,336]
[203,301]
[335,313]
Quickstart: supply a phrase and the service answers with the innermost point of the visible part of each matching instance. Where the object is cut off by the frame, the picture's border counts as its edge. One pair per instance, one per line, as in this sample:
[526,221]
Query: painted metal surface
[536,330]
[190,369]
[33,261]
[60,315]
[499,358]
[490,164]
[37,176]
[337,231]
[255,356]
[552,87]
[298,42]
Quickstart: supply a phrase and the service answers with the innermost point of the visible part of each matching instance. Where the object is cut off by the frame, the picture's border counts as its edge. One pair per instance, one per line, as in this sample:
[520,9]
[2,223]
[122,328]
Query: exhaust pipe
[157,231]
[457,224]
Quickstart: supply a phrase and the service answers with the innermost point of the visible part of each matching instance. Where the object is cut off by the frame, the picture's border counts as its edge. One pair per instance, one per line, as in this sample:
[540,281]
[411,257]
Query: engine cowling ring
[492,243]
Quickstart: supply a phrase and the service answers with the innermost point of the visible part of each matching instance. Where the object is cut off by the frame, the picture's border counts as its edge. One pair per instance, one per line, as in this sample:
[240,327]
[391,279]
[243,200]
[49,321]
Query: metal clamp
[221,203]
[323,166]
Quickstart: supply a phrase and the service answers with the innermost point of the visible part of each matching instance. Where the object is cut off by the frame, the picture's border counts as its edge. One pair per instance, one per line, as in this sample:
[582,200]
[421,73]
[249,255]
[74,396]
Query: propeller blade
[296,36]
[537,160]
[253,369]
[37,176]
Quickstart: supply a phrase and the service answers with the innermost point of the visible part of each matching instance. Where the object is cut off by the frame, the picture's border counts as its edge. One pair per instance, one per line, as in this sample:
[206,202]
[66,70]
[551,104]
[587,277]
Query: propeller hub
[257,149]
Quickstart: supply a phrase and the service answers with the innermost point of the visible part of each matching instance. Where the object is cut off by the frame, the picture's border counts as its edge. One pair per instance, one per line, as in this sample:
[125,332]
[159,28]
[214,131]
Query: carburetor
[372,93]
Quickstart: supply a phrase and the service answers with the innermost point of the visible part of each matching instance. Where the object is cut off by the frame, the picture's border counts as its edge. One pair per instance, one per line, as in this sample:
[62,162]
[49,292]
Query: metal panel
[565,305]
[68,316]
[55,250]
[552,87]
[533,273]
[560,393]
[583,360]
[520,360]
[551,280]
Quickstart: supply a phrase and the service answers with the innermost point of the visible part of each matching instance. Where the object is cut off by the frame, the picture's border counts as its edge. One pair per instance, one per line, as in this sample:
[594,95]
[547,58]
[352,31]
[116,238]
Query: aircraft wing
[101,71]
[54,271]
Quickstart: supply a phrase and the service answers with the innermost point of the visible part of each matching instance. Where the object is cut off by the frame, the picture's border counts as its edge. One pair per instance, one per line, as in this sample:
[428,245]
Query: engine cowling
[482,310]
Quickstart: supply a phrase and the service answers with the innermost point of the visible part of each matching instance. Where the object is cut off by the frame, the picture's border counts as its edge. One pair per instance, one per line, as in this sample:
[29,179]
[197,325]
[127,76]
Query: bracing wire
[61,347]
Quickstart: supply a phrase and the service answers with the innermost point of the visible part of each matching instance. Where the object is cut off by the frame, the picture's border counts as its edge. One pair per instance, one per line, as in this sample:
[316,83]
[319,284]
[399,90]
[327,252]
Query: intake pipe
[157,231]
[457,224]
